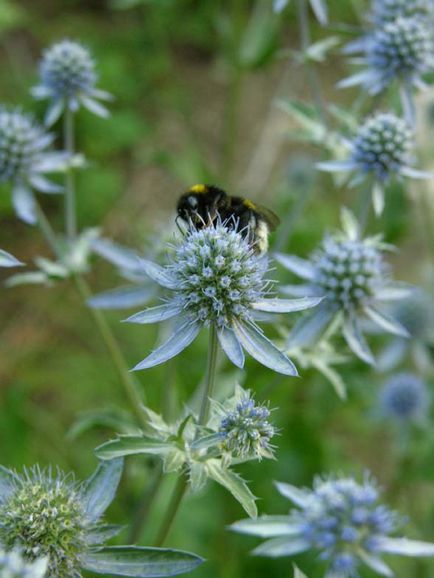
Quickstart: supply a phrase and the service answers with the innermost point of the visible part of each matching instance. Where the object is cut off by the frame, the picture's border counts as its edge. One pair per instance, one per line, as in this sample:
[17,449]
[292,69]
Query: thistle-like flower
[401,50]
[384,11]
[380,150]
[13,565]
[246,431]
[342,520]
[52,516]
[319,8]
[217,280]
[236,431]
[8,260]
[404,397]
[416,314]
[349,272]
[25,157]
[68,79]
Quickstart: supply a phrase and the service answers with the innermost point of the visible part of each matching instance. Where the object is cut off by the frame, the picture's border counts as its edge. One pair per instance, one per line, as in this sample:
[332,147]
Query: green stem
[210,375]
[312,78]
[113,348]
[70,205]
[144,506]
[181,484]
[175,503]
[47,231]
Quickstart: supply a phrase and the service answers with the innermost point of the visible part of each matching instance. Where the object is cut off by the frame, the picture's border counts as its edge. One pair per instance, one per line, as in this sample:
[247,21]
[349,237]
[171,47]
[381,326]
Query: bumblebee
[202,204]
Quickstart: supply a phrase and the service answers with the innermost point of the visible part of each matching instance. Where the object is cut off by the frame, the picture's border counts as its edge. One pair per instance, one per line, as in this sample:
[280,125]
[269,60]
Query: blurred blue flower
[342,520]
[416,314]
[68,79]
[404,397]
[217,279]
[384,11]
[25,158]
[13,565]
[349,272]
[401,50]
[381,149]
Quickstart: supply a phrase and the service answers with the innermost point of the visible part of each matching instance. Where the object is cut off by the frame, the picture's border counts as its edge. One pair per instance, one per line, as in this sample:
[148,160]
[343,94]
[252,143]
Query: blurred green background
[195,85]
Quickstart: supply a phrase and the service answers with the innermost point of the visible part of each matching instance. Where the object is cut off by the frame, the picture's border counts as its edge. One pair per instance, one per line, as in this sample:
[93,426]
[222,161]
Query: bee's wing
[269,216]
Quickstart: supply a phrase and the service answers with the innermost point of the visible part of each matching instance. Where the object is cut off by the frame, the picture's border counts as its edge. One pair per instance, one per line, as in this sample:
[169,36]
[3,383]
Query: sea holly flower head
[380,150]
[404,397]
[349,272]
[401,50]
[25,158]
[237,430]
[50,515]
[217,280]
[416,314]
[68,79]
[384,11]
[342,520]
[246,430]
[13,565]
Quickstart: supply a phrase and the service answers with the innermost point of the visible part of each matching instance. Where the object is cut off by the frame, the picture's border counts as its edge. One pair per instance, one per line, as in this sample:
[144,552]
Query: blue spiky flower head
[25,157]
[404,397]
[13,565]
[68,78]
[349,271]
[217,280]
[381,149]
[342,520]
[384,11]
[49,514]
[400,50]
[246,430]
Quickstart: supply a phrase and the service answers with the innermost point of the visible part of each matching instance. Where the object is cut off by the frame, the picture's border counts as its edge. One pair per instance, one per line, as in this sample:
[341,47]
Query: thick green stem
[113,348]
[181,484]
[210,375]
[70,205]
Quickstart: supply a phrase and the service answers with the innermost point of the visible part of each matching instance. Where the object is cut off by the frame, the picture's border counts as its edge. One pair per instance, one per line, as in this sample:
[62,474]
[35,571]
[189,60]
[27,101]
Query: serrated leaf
[234,484]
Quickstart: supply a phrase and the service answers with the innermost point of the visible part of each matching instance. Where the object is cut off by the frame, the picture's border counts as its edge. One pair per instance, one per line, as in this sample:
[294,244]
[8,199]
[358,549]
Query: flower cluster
[50,515]
[217,280]
[404,397]
[384,11]
[13,565]
[400,50]
[25,157]
[416,314]
[68,79]
[381,149]
[350,274]
[246,431]
[342,520]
